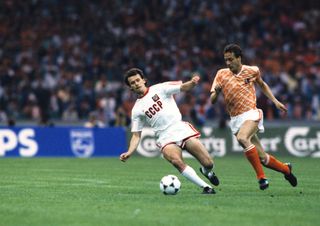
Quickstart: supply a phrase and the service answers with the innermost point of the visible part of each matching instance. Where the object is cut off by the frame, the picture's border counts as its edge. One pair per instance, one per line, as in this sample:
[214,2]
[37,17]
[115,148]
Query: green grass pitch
[105,191]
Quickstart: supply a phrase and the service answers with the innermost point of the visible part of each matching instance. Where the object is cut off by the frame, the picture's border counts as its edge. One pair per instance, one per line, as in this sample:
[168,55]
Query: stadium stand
[62,60]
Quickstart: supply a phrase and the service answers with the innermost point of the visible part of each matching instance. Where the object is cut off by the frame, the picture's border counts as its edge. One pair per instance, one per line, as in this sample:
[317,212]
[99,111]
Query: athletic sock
[192,176]
[272,163]
[253,157]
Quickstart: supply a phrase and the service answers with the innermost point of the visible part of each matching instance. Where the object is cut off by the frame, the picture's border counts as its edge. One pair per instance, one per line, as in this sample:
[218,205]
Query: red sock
[273,163]
[253,157]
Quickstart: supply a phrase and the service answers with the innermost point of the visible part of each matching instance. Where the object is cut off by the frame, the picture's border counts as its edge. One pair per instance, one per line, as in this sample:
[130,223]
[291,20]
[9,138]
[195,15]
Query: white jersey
[157,108]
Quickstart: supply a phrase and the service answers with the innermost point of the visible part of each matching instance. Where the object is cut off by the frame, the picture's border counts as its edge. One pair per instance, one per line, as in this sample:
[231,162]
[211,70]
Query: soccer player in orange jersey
[237,85]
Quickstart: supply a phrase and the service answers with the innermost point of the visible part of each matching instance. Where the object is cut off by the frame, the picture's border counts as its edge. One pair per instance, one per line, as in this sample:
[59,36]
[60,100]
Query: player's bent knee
[243,141]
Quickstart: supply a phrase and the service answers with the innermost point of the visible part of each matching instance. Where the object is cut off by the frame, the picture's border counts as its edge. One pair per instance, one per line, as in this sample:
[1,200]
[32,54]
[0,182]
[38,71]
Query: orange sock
[273,163]
[253,157]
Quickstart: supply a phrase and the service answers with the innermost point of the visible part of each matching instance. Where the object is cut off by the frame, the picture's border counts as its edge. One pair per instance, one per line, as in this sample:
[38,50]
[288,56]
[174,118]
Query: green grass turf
[105,191]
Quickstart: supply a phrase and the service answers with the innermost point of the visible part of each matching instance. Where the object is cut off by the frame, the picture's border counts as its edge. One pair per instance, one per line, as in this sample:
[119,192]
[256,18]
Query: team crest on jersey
[155,98]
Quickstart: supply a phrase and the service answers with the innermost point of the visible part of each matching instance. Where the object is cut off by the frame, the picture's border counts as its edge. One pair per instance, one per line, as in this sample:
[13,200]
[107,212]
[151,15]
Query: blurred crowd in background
[65,59]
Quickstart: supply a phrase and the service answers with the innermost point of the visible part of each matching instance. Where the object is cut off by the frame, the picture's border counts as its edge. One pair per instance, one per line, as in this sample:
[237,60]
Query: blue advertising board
[62,141]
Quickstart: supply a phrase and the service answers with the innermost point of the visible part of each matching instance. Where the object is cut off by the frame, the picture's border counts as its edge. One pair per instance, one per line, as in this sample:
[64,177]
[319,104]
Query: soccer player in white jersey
[155,107]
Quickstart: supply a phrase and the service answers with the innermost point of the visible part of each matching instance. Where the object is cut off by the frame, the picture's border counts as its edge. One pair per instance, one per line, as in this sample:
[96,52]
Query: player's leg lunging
[271,162]
[247,130]
[173,154]
[197,150]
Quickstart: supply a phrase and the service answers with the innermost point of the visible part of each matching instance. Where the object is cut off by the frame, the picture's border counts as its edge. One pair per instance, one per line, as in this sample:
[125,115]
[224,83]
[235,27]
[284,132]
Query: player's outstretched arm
[134,142]
[267,91]
[191,83]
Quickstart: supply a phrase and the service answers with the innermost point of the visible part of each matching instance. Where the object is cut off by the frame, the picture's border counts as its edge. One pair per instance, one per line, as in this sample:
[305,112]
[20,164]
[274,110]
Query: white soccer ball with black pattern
[170,185]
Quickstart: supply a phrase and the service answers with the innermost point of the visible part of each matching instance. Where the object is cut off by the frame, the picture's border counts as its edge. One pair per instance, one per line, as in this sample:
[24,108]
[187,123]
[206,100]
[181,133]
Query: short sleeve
[258,72]
[137,124]
[170,88]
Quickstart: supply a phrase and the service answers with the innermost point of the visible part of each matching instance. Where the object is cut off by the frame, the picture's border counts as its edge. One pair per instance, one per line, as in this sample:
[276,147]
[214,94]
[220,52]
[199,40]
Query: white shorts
[254,115]
[178,133]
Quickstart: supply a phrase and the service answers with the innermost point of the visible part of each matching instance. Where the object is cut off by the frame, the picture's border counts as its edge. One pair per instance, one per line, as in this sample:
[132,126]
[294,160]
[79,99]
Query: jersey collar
[144,94]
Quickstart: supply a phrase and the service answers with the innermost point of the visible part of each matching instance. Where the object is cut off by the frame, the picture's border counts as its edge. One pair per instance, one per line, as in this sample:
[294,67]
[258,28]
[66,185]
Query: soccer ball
[170,185]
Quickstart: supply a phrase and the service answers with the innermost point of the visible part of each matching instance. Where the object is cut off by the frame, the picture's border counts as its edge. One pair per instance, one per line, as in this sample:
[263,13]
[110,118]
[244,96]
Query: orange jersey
[238,89]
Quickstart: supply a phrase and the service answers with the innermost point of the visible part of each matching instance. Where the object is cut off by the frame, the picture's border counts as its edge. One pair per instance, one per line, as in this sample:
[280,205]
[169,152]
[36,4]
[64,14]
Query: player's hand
[124,156]
[281,106]
[195,78]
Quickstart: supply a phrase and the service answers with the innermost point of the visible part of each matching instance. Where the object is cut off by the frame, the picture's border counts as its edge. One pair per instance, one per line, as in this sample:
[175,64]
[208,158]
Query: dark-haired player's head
[233,48]
[232,57]
[134,78]
[132,72]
